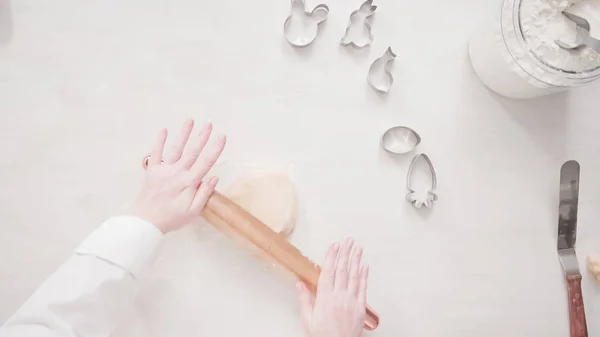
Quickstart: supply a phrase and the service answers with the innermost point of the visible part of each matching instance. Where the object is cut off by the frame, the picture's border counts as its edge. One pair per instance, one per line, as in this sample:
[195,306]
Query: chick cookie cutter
[368,9]
[318,15]
[418,198]
[382,66]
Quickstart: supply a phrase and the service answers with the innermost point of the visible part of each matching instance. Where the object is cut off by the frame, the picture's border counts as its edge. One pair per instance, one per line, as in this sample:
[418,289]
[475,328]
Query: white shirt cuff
[126,241]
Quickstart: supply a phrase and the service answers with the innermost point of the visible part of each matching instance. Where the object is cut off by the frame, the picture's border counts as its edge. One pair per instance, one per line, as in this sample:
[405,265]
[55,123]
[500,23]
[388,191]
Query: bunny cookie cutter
[367,9]
[416,198]
[318,15]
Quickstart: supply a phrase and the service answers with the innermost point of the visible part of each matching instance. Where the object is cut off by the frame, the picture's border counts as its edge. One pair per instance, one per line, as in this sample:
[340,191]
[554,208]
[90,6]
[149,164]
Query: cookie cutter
[419,199]
[305,40]
[400,140]
[583,37]
[367,8]
[386,61]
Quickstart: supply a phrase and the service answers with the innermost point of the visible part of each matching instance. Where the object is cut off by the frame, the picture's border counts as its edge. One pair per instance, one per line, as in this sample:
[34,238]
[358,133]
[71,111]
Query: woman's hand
[175,190]
[338,309]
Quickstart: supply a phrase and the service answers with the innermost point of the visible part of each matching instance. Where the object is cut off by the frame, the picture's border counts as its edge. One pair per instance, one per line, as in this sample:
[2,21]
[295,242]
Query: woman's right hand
[338,309]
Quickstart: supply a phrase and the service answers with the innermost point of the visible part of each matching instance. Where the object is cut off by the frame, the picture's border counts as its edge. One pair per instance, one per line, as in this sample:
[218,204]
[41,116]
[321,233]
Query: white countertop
[85,85]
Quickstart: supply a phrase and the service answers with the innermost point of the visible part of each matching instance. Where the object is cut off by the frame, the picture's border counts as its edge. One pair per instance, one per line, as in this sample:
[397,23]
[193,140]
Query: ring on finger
[146,160]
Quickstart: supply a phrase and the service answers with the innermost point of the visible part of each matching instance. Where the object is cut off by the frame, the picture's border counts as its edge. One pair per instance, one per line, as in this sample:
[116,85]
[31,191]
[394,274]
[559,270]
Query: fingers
[306,300]
[179,145]
[208,159]
[354,273]
[157,151]
[202,195]
[192,151]
[327,277]
[341,274]
[362,288]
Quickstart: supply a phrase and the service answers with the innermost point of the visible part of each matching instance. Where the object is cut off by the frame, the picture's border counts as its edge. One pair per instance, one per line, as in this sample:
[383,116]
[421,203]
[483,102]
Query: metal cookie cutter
[318,15]
[366,10]
[420,198]
[583,37]
[400,140]
[379,67]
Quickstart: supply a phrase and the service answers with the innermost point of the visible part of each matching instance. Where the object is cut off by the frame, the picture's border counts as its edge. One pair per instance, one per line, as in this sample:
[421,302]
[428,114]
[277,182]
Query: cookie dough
[270,197]
[593,263]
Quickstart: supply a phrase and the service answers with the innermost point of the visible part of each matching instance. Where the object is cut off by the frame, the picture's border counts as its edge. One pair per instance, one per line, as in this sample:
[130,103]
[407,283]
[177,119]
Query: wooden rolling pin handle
[577,323]
[228,217]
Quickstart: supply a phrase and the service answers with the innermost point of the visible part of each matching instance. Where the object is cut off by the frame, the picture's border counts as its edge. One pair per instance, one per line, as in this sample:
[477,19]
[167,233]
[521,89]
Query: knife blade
[567,236]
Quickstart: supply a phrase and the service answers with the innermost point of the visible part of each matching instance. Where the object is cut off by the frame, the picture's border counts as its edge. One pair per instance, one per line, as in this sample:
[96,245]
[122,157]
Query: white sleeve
[89,294]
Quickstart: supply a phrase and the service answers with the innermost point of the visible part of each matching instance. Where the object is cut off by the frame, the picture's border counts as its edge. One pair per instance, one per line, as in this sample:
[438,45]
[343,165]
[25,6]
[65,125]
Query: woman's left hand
[175,190]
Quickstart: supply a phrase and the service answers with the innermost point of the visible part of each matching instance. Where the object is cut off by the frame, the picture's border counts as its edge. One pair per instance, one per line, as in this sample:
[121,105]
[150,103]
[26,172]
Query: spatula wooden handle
[577,321]
[227,216]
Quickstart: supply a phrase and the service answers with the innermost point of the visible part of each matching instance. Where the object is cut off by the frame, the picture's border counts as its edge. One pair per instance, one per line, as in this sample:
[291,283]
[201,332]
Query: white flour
[542,23]
[504,66]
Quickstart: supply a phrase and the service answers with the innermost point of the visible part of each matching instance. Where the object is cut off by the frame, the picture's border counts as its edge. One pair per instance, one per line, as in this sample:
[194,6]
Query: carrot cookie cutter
[364,13]
[421,198]
[380,75]
[400,140]
[317,15]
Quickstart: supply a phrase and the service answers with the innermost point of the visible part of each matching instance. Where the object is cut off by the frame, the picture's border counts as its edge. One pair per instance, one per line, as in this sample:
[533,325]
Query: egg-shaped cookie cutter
[400,140]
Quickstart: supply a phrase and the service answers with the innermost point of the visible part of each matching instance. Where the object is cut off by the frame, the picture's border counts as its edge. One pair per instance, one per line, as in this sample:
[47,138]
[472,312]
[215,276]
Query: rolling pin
[228,217]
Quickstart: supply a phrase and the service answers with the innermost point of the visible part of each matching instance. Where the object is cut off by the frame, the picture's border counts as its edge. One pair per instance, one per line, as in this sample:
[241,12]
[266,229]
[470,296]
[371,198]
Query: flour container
[516,55]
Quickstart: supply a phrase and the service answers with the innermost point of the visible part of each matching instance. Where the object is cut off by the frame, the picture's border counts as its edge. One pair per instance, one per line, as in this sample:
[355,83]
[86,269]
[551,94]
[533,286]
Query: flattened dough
[593,263]
[270,197]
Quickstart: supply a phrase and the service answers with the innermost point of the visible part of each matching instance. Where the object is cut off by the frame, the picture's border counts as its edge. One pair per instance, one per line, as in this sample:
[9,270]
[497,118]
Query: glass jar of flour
[517,56]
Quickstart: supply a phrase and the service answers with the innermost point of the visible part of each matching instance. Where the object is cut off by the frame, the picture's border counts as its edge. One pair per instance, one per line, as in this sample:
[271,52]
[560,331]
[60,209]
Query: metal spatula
[567,234]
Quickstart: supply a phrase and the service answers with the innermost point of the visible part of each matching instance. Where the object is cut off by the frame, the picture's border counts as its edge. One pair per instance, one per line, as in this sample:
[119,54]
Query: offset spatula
[567,233]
